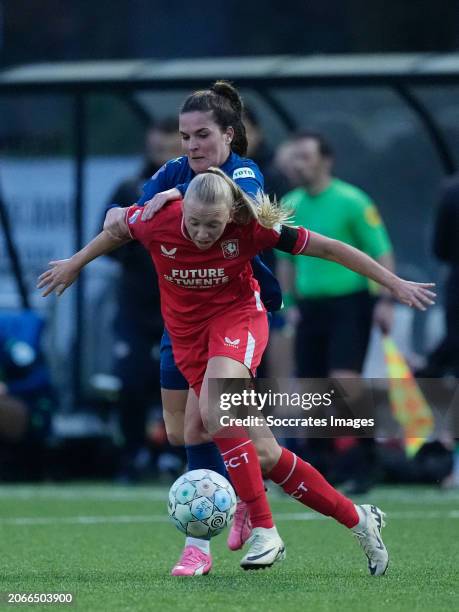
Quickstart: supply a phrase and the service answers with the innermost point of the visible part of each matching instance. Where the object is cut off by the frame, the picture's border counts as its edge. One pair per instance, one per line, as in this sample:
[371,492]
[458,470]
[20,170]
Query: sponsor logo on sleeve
[372,216]
[230,342]
[230,248]
[133,218]
[241,173]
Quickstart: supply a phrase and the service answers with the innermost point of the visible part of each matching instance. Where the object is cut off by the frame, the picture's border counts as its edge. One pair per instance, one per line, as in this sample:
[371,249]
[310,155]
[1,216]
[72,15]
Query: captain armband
[292,239]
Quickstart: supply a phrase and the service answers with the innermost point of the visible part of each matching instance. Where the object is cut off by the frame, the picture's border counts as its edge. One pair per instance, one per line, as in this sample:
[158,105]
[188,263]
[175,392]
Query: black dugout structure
[266,78]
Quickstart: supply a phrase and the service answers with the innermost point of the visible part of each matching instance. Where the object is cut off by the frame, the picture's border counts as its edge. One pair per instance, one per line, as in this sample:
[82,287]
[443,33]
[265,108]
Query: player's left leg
[305,484]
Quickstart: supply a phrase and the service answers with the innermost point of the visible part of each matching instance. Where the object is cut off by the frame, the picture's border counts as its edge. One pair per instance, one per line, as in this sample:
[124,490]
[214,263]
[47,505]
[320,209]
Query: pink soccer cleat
[193,562]
[241,529]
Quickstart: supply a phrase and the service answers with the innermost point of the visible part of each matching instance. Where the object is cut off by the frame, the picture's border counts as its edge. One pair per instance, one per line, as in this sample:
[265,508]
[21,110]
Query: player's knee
[204,412]
[194,433]
[174,424]
[174,403]
[175,438]
[194,430]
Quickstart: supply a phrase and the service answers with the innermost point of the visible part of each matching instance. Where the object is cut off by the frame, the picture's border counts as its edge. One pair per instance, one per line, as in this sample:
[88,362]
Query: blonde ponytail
[244,209]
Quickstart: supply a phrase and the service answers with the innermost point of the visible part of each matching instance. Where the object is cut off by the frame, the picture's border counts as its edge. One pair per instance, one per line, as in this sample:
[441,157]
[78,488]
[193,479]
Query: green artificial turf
[113,547]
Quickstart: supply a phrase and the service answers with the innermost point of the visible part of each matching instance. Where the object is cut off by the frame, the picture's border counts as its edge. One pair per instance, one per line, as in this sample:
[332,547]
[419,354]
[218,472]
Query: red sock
[242,463]
[303,482]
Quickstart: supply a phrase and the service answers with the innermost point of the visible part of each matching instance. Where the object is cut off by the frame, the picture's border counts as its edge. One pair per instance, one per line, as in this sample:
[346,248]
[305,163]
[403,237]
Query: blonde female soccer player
[201,248]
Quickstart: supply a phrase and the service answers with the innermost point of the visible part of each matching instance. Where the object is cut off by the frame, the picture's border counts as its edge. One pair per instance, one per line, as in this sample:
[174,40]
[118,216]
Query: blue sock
[205,456]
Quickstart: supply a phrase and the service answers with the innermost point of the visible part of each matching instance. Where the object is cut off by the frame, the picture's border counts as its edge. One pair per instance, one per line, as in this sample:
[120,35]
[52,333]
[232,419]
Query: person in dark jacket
[445,358]
[138,325]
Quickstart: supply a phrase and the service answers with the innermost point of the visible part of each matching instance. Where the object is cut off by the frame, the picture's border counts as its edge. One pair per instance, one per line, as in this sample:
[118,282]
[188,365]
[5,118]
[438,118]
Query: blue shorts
[169,374]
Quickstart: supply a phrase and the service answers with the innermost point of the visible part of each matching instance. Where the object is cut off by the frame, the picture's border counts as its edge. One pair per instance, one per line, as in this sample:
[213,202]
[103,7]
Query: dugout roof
[268,70]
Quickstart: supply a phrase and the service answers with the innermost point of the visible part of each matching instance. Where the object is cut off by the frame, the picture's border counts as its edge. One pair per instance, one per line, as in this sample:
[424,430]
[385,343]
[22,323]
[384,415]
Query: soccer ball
[201,503]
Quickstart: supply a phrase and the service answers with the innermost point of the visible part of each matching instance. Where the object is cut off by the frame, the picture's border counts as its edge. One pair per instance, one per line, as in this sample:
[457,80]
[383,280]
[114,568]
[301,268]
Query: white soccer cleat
[368,533]
[266,548]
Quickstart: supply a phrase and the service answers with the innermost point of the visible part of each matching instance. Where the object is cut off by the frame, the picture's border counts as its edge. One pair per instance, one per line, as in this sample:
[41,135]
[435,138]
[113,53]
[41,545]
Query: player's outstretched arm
[64,272]
[418,295]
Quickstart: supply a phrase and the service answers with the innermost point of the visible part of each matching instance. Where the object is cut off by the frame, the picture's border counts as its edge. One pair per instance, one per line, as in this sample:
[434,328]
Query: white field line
[131,519]
[77,494]
[155,493]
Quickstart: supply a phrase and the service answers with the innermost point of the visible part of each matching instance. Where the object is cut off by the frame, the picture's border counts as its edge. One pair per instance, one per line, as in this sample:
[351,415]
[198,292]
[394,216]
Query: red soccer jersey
[198,285]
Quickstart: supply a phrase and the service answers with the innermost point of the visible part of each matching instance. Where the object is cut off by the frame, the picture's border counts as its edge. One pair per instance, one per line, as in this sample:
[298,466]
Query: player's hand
[157,202]
[61,275]
[415,295]
[383,315]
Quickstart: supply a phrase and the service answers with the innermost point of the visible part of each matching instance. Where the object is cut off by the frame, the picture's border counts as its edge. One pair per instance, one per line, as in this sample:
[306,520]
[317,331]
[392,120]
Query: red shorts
[241,334]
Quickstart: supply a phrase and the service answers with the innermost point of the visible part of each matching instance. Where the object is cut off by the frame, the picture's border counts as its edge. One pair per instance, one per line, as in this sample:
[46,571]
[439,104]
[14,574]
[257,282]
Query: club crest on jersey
[230,342]
[230,248]
[133,218]
[168,252]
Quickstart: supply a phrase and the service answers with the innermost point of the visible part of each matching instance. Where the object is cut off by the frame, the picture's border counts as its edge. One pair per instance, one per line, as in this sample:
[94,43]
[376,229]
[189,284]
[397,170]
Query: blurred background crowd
[381,158]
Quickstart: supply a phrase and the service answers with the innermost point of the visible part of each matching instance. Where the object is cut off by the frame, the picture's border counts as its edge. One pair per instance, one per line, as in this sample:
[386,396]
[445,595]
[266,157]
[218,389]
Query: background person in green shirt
[332,308]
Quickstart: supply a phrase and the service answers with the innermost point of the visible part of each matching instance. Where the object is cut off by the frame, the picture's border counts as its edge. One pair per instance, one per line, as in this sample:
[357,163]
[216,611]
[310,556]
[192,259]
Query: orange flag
[408,404]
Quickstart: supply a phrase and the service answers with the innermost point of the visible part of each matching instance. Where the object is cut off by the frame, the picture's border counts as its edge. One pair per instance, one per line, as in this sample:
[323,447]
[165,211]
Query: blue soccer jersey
[178,173]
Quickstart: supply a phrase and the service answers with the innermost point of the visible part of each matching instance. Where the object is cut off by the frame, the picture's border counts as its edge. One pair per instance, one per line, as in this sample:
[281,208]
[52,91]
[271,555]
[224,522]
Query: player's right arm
[64,272]
[418,295]
[300,241]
